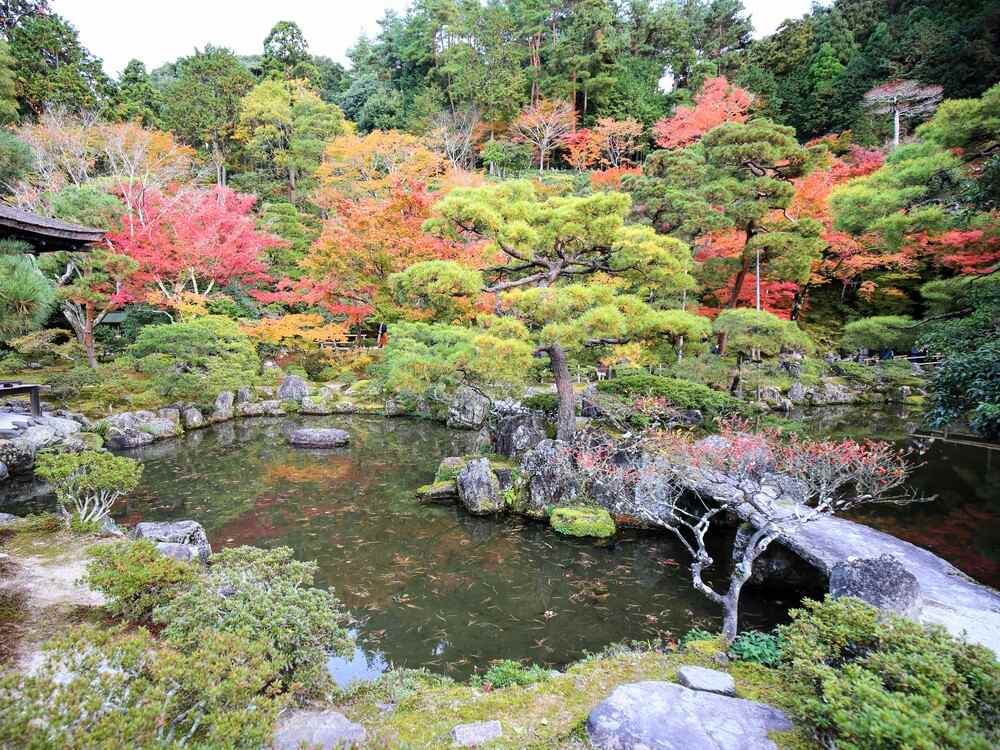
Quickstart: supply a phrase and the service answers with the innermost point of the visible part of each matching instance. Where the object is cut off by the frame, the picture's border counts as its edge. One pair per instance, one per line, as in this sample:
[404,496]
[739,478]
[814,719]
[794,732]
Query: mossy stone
[583,520]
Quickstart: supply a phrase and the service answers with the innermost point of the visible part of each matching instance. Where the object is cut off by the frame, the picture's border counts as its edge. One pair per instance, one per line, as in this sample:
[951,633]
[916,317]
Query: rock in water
[317,730]
[293,388]
[582,520]
[517,434]
[468,409]
[551,477]
[882,581]
[318,437]
[223,407]
[188,533]
[192,418]
[665,716]
[479,733]
[707,680]
[479,488]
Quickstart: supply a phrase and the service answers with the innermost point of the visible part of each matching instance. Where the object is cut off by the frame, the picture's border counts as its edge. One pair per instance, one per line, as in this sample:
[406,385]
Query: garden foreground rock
[189,533]
[468,409]
[478,733]
[707,680]
[319,437]
[479,488]
[666,716]
[293,388]
[317,730]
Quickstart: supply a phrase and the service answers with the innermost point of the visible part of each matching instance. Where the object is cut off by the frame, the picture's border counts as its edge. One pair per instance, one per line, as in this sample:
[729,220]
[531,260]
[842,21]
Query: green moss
[449,468]
[582,520]
[438,490]
[915,400]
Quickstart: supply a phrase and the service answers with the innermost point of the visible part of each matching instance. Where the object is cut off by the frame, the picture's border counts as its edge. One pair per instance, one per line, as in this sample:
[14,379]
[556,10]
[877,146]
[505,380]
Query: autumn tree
[718,102]
[582,149]
[903,99]
[543,125]
[284,127]
[370,165]
[456,133]
[547,249]
[193,242]
[617,140]
[202,106]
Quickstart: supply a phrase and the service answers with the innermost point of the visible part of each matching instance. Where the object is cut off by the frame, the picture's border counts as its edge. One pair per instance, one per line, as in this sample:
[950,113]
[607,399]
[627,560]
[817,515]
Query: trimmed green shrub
[697,634]
[195,359]
[264,596]
[583,520]
[683,394]
[507,672]
[88,483]
[136,577]
[758,647]
[543,402]
[105,689]
[856,372]
[880,332]
[871,681]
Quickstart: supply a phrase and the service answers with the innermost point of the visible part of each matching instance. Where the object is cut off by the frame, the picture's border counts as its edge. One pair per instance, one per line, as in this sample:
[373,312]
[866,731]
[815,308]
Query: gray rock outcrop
[223,407]
[516,434]
[882,581]
[706,680]
[549,475]
[317,730]
[468,409]
[293,388]
[478,487]
[319,437]
[187,533]
[192,418]
[666,716]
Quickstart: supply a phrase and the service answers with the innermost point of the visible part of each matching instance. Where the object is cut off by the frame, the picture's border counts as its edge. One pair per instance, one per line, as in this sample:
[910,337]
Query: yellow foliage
[304,327]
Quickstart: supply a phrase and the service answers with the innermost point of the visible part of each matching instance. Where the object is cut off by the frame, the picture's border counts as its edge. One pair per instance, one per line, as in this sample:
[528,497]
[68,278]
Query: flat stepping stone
[667,716]
[707,680]
[479,733]
[318,437]
[317,730]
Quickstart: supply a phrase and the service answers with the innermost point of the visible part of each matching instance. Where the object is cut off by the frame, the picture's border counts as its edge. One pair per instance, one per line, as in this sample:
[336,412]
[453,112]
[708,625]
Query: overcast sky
[157,32]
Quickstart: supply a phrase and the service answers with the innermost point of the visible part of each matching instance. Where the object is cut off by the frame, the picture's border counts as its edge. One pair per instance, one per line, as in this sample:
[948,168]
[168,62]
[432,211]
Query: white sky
[158,32]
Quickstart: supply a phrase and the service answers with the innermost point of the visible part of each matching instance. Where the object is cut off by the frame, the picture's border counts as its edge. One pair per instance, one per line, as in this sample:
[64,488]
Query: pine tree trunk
[566,421]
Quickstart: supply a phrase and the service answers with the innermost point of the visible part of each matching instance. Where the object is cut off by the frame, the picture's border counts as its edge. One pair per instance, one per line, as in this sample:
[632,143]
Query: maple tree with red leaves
[718,101]
[191,243]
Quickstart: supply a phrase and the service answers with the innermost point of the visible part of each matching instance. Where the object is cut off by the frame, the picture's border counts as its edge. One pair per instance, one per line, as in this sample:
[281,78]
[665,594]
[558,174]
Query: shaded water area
[962,522]
[430,586]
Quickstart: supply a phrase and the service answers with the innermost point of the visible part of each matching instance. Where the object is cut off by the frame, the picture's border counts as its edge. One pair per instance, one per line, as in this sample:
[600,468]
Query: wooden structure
[45,235]
[9,388]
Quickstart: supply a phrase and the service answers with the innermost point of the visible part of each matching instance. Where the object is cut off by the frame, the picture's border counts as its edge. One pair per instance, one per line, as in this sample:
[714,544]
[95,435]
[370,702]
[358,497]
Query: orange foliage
[582,149]
[617,140]
[544,125]
[718,101]
[295,328]
[611,179]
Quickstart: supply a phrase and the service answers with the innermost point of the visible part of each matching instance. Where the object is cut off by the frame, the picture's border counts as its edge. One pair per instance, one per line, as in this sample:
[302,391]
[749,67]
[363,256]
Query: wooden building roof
[45,234]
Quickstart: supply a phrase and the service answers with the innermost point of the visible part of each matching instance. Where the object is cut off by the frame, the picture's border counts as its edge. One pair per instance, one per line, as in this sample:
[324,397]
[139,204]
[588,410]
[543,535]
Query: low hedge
[682,394]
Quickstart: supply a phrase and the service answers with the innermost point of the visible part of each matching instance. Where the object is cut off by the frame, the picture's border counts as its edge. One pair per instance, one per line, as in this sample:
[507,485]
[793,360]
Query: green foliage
[194,359]
[8,87]
[507,673]
[758,647]
[437,290]
[268,598]
[583,520]
[871,681]
[697,634]
[89,481]
[502,157]
[136,578]
[856,372]
[87,205]
[880,332]
[26,296]
[16,160]
[683,394]
[747,331]
[544,402]
[966,386]
[105,689]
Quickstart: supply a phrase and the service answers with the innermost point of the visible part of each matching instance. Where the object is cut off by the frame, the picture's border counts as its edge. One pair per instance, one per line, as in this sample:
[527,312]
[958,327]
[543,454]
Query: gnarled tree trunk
[566,421]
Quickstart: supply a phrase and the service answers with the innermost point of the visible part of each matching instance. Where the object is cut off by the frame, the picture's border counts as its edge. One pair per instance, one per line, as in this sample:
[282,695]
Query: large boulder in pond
[192,418]
[317,730]
[319,437]
[293,388]
[550,477]
[479,488]
[125,430]
[468,409]
[667,716]
[187,533]
[516,434]
[882,581]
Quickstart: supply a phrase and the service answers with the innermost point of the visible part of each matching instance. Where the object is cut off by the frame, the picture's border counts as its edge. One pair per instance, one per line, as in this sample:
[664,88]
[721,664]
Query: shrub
[507,673]
[104,690]
[682,394]
[89,481]
[267,597]
[543,402]
[758,647]
[880,332]
[193,358]
[874,682]
[855,371]
[136,577]
[697,634]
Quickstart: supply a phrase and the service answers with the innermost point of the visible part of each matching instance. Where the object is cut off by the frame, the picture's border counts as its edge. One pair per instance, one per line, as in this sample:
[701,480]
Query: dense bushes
[136,577]
[105,689]
[194,360]
[682,394]
[266,597]
[865,681]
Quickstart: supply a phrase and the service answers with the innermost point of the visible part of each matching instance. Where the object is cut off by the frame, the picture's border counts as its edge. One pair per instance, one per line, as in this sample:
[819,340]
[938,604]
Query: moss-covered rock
[438,492]
[449,467]
[583,520]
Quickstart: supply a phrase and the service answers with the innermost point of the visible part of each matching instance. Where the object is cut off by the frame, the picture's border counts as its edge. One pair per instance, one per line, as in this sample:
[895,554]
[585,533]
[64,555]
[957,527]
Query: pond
[430,586]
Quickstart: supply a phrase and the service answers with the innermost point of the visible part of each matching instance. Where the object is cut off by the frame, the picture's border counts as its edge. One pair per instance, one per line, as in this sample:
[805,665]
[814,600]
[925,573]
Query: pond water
[430,586]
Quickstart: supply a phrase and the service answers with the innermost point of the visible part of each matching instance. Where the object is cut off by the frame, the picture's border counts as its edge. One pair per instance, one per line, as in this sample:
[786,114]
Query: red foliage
[967,252]
[611,179]
[718,102]
[193,242]
[582,149]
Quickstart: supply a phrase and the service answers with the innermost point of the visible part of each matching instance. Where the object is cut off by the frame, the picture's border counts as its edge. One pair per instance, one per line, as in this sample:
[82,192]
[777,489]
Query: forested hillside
[631,184]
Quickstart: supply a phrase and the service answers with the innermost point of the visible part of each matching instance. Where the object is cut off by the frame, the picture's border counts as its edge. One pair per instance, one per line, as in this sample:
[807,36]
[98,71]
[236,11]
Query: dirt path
[40,592]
